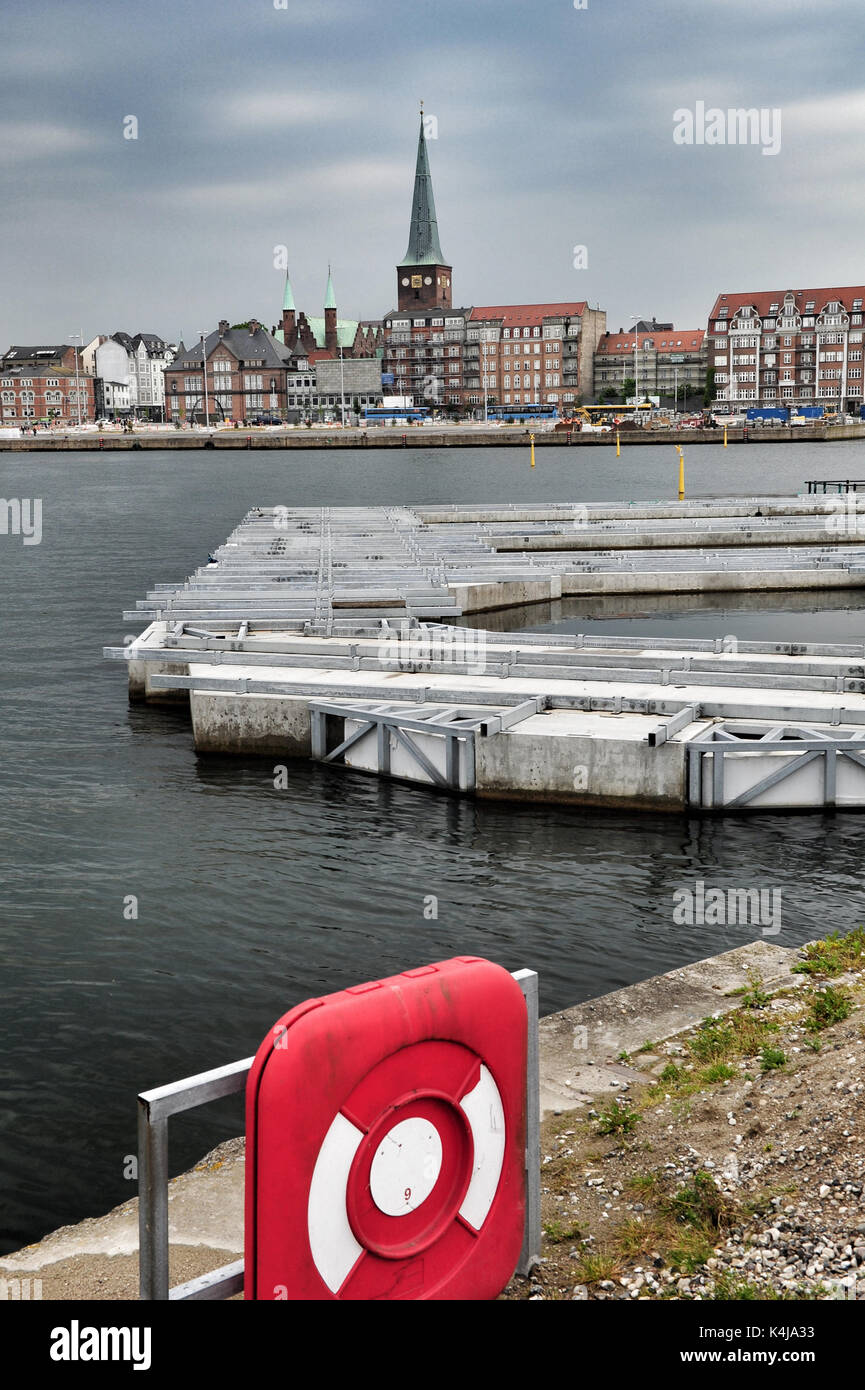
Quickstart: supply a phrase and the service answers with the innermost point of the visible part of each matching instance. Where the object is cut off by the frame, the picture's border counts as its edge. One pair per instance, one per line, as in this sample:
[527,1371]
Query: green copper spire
[423,238]
[330,297]
[288,297]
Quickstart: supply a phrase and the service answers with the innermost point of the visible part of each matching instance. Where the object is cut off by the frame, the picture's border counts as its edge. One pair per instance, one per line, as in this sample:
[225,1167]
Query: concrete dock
[459,436]
[332,634]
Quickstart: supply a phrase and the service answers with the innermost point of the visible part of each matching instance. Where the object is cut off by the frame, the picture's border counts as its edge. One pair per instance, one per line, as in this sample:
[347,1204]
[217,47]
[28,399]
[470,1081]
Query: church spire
[329,296]
[288,297]
[423,237]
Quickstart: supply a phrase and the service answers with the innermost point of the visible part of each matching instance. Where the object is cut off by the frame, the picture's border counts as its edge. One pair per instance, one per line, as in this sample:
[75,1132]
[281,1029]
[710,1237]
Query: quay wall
[415,438]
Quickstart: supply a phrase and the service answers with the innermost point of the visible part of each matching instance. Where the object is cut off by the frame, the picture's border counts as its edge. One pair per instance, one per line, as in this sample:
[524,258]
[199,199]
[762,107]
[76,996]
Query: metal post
[530,1253]
[341,386]
[80,337]
[204,369]
[152,1205]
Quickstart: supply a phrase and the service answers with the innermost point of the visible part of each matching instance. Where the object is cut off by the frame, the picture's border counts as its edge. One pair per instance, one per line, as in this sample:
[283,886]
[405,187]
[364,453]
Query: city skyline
[154,162]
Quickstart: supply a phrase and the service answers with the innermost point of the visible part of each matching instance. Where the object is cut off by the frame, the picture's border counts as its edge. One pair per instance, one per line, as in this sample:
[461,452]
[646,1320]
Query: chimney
[254,326]
[223,327]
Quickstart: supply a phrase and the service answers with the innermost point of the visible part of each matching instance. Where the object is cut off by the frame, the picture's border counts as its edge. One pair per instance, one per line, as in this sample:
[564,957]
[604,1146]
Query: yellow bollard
[681,473]
[618,447]
[532,438]
[725,436]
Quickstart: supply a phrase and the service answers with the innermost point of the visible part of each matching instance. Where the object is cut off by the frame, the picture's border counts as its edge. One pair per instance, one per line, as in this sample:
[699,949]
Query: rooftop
[519,314]
[770,301]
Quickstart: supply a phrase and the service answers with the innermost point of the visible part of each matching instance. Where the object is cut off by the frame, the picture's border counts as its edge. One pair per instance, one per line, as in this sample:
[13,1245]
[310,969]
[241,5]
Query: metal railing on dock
[821,485]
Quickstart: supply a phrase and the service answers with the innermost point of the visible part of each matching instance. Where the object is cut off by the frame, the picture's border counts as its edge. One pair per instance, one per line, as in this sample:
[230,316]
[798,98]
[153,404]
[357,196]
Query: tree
[629,387]
[609,393]
[709,387]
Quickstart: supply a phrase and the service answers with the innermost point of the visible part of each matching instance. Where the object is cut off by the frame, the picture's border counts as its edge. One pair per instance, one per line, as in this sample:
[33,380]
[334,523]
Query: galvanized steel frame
[803,743]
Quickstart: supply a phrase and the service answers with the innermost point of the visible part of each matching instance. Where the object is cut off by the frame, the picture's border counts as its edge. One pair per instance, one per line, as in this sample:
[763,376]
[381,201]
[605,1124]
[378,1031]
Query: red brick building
[30,395]
[788,348]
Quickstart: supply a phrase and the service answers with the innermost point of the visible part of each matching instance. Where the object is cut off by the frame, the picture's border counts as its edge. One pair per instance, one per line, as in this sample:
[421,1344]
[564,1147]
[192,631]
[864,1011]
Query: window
[253,383]
[253,401]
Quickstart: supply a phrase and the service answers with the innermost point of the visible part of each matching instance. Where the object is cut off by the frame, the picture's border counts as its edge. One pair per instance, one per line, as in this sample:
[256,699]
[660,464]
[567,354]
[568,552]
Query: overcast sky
[260,126]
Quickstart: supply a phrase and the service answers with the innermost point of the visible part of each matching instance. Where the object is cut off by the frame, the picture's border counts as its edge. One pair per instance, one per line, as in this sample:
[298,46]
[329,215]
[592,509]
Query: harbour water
[159,911]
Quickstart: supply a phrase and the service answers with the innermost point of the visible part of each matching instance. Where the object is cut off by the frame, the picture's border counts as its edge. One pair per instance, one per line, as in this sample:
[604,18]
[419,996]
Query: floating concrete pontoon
[310,636]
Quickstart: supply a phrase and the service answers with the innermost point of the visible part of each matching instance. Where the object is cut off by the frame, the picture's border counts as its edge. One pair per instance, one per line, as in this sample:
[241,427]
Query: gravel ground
[748,1185]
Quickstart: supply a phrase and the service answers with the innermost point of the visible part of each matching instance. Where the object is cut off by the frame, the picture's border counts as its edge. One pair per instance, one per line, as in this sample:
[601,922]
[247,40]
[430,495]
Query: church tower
[289,322]
[423,277]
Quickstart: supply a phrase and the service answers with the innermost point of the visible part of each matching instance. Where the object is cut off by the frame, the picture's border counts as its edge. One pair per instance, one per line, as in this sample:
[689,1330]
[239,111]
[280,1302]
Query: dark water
[249,898]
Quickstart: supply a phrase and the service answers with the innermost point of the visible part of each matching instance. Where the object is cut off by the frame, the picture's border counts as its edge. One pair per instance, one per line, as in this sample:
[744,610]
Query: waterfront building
[147,355]
[33,394]
[788,348]
[252,375]
[328,336]
[660,359]
[44,355]
[113,399]
[245,376]
[532,353]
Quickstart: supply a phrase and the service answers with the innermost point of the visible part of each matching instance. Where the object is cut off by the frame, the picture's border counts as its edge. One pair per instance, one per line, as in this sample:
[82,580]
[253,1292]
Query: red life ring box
[385,1140]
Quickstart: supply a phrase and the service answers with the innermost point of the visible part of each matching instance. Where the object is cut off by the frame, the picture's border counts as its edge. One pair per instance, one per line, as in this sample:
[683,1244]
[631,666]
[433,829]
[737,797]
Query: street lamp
[341,386]
[204,369]
[636,318]
[80,337]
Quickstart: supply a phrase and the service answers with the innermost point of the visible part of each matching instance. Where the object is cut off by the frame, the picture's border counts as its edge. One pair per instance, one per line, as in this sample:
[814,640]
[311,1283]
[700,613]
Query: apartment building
[788,348]
[660,359]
